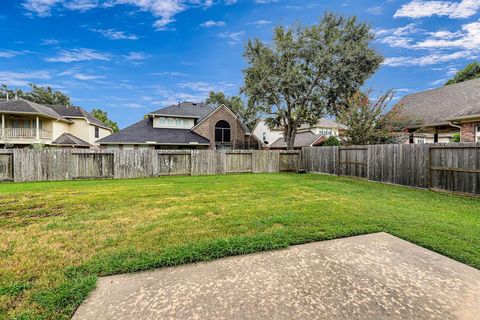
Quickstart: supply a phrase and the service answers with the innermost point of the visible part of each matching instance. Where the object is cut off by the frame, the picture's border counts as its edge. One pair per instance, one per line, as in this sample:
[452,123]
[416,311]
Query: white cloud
[82,54]
[211,23]
[438,82]
[163,10]
[398,37]
[258,22]
[467,38]
[428,60]
[419,9]
[12,53]
[135,57]
[40,7]
[169,73]
[441,46]
[75,73]
[113,34]
[49,42]
[375,10]
[87,77]
[81,5]
[21,79]
[233,37]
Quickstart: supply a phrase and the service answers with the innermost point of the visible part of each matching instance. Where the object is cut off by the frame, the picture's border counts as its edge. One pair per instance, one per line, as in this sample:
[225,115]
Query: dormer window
[171,122]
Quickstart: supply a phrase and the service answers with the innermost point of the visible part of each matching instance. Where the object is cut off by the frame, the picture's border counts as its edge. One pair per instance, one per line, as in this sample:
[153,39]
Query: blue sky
[129,57]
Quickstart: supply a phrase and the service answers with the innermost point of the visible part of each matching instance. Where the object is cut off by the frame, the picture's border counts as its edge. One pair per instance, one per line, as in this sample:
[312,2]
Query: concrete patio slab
[375,276]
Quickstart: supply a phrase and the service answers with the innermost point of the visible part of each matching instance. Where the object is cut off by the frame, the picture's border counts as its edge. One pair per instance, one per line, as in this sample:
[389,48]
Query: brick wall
[468,131]
[237,133]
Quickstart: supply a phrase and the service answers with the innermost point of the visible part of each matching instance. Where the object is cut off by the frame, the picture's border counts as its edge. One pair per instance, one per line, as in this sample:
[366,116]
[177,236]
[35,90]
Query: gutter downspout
[456,126]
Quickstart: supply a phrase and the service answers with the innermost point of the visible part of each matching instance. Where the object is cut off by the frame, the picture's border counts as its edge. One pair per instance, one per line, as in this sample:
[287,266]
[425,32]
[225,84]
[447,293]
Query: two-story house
[185,125]
[307,136]
[24,123]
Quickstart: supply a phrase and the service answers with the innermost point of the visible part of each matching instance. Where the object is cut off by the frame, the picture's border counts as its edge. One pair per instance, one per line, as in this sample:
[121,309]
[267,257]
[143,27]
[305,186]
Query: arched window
[222,132]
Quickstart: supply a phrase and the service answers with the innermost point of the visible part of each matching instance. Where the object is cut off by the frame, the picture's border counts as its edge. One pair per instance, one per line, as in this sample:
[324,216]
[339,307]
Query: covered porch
[24,128]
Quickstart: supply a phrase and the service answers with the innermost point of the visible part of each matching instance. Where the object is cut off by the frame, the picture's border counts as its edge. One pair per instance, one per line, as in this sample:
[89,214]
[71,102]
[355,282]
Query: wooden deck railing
[26,133]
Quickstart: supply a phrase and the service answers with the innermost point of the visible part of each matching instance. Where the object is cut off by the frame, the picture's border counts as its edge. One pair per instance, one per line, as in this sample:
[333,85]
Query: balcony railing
[26,133]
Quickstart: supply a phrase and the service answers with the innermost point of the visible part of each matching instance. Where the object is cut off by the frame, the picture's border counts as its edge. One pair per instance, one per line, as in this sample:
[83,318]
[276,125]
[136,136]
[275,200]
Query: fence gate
[455,168]
[6,167]
[289,161]
[174,163]
[353,161]
[93,165]
[238,162]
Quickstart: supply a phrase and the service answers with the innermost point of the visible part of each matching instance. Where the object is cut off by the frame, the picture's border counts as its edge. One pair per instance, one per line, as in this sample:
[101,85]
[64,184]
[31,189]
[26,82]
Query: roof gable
[78,112]
[222,106]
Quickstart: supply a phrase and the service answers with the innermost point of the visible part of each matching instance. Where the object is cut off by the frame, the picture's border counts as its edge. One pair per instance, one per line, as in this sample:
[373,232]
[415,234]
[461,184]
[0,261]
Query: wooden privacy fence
[67,164]
[452,167]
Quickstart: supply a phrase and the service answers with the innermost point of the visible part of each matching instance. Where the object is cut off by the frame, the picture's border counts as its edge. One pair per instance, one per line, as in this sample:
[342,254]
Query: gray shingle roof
[143,131]
[302,139]
[67,139]
[25,106]
[186,109]
[438,105]
[75,112]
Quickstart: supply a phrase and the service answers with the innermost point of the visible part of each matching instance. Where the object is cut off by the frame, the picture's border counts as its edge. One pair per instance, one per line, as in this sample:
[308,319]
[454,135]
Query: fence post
[429,164]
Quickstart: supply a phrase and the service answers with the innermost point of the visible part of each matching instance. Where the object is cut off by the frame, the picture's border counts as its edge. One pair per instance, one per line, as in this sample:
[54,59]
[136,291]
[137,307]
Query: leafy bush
[456,137]
[331,142]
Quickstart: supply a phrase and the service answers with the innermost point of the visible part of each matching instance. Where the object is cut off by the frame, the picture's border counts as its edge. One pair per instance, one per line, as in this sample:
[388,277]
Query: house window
[178,122]
[97,132]
[162,121]
[170,122]
[477,134]
[222,132]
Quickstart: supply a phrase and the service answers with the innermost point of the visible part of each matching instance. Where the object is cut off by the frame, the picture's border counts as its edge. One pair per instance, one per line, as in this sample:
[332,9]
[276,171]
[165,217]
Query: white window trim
[477,133]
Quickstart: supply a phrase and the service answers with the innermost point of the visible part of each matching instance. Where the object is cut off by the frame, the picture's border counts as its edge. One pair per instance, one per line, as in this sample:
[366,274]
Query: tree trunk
[290,137]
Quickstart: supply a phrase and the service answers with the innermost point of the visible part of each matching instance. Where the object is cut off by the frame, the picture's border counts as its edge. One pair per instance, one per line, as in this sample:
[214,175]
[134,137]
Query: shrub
[331,142]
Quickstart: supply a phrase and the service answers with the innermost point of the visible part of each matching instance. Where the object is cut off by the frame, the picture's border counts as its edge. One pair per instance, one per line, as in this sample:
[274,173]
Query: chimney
[16,96]
[179,103]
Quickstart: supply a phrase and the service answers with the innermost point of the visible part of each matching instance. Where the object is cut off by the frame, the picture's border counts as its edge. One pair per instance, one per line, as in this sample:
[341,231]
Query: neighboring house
[302,139]
[307,135]
[24,123]
[186,125]
[443,112]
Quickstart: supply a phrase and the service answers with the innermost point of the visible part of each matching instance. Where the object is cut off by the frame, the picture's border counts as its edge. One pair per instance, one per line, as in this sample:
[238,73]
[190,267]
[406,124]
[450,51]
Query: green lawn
[58,237]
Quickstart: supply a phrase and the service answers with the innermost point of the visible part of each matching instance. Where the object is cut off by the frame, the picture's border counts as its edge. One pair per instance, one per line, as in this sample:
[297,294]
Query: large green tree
[309,72]
[103,116]
[470,72]
[37,94]
[247,112]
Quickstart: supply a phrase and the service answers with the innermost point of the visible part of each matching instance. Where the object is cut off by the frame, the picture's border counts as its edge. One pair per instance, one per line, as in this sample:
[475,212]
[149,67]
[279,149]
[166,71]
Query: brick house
[442,112]
[186,125]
